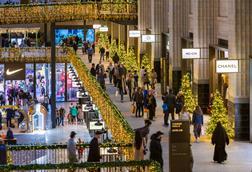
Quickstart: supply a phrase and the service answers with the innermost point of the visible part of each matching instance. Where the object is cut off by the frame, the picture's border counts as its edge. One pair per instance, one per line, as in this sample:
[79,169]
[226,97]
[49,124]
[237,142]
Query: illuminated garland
[120,128]
[15,55]
[59,12]
[152,166]
[62,146]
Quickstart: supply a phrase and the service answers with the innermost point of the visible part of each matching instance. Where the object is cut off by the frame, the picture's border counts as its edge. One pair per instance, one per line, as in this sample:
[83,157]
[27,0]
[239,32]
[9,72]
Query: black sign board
[14,71]
[180,146]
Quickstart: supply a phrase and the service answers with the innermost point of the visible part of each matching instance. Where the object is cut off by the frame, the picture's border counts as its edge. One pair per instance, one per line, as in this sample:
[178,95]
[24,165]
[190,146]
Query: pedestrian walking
[62,112]
[135,79]
[166,113]
[153,78]
[71,148]
[94,150]
[184,114]
[156,148]
[180,101]
[102,53]
[129,83]
[197,122]
[138,98]
[171,101]
[152,104]
[90,52]
[220,139]
[110,72]
[93,70]
[145,130]
[139,146]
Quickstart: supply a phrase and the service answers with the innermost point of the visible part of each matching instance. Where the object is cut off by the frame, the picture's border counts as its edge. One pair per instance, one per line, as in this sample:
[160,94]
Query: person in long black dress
[220,139]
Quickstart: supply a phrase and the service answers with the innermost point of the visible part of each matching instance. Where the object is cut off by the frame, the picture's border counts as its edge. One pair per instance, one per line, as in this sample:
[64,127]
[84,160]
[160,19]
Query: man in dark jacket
[156,148]
[171,101]
[94,150]
[138,98]
[92,70]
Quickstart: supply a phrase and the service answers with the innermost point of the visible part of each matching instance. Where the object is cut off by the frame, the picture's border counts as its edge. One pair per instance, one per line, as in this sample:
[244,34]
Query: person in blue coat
[197,122]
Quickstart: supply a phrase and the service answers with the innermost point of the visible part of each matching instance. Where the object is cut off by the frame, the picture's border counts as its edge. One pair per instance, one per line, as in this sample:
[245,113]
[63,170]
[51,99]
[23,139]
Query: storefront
[38,82]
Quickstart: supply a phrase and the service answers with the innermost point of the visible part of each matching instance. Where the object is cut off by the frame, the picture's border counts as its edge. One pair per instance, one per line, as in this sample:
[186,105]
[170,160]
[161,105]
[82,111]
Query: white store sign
[227,66]
[96,26]
[148,38]
[103,29]
[134,34]
[190,53]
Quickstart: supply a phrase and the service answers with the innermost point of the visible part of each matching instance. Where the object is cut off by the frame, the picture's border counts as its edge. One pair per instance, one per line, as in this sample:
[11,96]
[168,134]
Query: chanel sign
[227,66]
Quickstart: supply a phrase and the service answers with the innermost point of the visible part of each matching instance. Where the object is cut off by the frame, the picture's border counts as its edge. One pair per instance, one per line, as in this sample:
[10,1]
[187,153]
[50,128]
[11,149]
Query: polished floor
[239,153]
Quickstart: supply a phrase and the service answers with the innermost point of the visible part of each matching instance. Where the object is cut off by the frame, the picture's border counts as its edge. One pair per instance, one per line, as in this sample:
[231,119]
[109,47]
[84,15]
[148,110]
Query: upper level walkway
[60,12]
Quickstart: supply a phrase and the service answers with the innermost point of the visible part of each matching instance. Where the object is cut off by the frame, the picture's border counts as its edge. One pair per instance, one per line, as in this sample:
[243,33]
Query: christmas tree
[131,60]
[190,100]
[122,53]
[146,62]
[112,48]
[219,114]
[103,40]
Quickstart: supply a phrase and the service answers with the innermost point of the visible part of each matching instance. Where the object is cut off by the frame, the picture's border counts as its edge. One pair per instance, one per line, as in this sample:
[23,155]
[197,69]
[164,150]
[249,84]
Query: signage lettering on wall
[134,33]
[227,66]
[148,38]
[190,53]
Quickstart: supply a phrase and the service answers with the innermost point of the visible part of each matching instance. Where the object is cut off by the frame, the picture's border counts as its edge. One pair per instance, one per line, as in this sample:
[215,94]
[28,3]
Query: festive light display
[190,100]
[150,166]
[59,12]
[120,128]
[34,55]
[219,114]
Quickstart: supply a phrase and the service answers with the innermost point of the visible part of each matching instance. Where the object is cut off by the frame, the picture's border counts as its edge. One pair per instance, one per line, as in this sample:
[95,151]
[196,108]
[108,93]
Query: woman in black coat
[220,139]
[156,148]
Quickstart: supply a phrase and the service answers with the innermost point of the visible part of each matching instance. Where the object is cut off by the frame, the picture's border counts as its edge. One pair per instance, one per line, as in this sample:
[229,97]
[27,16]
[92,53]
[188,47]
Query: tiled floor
[239,153]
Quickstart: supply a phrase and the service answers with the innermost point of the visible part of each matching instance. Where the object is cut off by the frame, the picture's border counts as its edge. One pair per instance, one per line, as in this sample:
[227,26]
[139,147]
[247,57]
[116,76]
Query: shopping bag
[203,131]
[133,108]
[146,113]
[116,93]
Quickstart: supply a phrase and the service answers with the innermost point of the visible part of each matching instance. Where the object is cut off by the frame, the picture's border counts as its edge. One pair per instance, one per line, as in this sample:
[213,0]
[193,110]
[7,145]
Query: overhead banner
[227,66]
[190,53]
[148,38]
[14,71]
[134,33]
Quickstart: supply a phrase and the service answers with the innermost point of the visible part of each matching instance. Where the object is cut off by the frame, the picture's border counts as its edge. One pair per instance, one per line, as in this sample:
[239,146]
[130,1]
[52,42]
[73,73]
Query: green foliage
[146,62]
[131,60]
[190,100]
[219,114]
[153,166]
[122,53]
[112,48]
[103,40]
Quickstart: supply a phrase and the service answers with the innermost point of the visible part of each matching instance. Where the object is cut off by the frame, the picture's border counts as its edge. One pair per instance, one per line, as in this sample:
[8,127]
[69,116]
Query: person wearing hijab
[156,148]
[139,146]
[197,122]
[220,139]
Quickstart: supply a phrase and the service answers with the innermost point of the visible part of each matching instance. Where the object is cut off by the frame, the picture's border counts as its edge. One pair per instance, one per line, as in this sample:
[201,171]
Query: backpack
[165,107]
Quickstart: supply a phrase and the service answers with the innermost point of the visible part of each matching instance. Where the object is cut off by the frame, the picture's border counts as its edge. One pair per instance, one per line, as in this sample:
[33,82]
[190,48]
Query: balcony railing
[57,12]
[119,166]
[57,154]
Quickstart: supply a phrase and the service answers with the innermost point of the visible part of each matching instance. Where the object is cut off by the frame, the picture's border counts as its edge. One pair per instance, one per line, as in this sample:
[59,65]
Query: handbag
[133,108]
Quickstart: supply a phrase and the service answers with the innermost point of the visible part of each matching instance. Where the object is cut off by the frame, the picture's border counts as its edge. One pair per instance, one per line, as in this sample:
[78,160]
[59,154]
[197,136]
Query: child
[80,148]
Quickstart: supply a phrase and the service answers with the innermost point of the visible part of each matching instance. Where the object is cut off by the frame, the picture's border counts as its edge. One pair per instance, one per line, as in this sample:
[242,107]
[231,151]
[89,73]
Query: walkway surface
[239,153]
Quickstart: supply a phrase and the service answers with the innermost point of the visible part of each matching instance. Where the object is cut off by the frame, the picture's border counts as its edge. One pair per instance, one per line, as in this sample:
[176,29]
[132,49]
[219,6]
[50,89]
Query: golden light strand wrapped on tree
[186,88]
[219,114]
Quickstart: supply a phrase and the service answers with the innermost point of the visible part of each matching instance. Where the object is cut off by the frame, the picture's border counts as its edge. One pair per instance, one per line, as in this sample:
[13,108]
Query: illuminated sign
[96,125]
[96,26]
[103,29]
[148,38]
[190,53]
[134,34]
[227,66]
